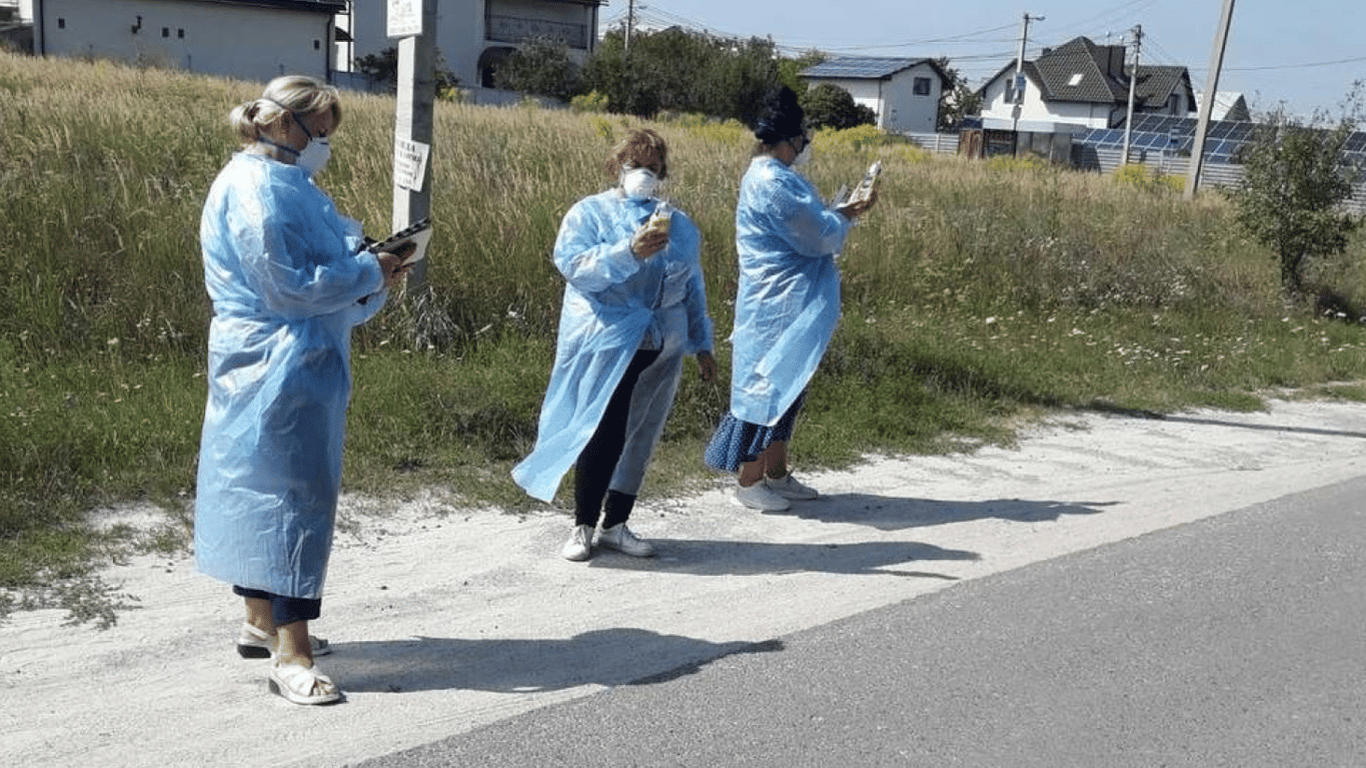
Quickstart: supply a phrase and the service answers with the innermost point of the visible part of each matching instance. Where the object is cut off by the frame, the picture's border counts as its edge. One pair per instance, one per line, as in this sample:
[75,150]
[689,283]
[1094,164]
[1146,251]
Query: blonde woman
[289,277]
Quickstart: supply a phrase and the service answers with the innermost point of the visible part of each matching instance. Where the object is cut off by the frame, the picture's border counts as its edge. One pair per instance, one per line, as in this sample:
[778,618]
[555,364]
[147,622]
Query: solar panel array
[1224,139]
[859,67]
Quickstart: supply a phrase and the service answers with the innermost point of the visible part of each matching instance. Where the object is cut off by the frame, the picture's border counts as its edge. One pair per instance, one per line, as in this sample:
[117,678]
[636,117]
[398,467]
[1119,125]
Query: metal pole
[1216,63]
[1019,72]
[1133,81]
[413,125]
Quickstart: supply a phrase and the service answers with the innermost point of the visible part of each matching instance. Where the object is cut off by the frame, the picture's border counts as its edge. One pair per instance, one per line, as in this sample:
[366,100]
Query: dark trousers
[595,465]
[285,610]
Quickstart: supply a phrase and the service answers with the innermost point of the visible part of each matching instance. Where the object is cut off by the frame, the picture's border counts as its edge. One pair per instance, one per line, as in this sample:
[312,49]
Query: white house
[903,93]
[1228,105]
[1079,86]
[248,39]
[472,36]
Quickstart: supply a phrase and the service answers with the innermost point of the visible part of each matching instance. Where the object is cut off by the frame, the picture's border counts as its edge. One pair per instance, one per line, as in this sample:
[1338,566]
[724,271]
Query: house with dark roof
[1079,86]
[247,39]
[903,93]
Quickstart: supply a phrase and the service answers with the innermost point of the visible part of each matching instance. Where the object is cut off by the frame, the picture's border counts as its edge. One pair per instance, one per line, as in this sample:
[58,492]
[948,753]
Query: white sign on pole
[410,163]
[405,18]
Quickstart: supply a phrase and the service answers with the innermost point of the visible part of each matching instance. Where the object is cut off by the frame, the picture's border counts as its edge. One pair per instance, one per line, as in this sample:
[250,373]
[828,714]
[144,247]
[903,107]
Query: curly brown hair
[638,142]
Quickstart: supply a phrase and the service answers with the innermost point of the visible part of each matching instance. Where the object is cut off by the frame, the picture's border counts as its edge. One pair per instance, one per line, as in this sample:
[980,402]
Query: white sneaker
[620,538]
[758,496]
[580,544]
[789,488]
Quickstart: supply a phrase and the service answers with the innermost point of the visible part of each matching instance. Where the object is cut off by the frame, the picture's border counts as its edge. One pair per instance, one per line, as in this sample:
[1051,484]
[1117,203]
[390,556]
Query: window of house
[1074,80]
[180,33]
[921,86]
[317,45]
[165,31]
[61,23]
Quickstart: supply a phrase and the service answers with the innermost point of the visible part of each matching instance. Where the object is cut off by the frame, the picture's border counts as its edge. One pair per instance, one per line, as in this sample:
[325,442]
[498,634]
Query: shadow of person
[894,514]
[695,557]
[621,656]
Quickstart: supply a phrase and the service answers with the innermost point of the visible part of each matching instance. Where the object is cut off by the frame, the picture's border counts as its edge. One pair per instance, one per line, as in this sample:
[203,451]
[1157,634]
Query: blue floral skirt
[737,442]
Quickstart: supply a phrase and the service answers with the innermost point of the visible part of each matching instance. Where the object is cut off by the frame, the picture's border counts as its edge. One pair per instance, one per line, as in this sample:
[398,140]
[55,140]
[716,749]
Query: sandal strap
[304,685]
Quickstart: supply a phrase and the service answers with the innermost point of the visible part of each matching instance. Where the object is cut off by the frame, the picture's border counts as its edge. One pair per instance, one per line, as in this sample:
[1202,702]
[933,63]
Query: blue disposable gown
[788,300]
[614,305]
[288,280]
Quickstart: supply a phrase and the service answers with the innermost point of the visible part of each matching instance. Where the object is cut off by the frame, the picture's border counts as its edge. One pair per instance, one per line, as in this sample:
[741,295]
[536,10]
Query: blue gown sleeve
[810,228]
[291,273]
[589,253]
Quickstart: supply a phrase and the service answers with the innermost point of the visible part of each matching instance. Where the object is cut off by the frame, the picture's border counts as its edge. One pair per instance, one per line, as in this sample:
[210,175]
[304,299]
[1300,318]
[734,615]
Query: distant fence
[1091,157]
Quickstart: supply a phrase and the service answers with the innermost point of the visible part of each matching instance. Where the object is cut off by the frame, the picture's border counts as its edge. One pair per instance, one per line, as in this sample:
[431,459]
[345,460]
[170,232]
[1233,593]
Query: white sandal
[303,685]
[255,643]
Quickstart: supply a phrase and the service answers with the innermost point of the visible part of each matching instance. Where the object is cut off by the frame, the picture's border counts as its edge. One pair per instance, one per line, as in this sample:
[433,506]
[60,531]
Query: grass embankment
[977,295]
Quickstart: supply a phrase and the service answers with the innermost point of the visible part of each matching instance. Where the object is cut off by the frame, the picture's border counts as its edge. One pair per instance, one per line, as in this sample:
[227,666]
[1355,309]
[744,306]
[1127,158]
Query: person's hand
[855,210]
[647,241]
[707,365]
[391,264]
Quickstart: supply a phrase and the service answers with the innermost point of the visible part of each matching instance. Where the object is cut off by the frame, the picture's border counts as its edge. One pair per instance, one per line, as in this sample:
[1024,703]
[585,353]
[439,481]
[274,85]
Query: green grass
[978,296]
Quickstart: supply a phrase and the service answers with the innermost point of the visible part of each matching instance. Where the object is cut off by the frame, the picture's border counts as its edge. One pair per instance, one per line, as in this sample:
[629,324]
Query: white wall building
[472,36]
[248,39]
[903,93]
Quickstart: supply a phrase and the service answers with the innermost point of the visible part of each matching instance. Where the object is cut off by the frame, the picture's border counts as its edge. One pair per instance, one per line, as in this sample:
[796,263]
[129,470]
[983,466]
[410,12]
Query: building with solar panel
[903,93]
[1080,86]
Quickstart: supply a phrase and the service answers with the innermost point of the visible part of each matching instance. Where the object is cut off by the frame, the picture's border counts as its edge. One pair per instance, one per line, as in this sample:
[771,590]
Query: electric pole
[1133,81]
[1019,72]
[415,28]
[630,24]
[1216,63]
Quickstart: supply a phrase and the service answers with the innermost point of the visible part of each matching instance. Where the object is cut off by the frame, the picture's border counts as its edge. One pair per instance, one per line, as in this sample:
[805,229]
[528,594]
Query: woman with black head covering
[786,306]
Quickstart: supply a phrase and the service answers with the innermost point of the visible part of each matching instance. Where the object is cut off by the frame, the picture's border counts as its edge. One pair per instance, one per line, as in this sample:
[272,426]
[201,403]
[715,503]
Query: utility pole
[1019,72]
[1216,63]
[416,98]
[1133,81]
[630,24]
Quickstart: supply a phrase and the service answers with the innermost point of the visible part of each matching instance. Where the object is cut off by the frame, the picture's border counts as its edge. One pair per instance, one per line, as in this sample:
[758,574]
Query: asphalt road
[1238,640]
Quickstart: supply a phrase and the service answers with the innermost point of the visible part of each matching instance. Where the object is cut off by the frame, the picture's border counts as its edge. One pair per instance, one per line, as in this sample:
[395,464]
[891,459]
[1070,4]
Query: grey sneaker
[758,496]
[580,544]
[620,538]
[788,487]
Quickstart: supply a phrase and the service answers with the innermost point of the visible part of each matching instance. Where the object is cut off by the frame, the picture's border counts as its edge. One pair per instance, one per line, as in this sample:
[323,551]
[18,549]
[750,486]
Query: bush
[829,106]
[593,101]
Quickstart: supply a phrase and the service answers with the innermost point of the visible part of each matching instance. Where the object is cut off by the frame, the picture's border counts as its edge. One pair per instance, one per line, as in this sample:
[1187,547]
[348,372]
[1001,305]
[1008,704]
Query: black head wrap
[781,117]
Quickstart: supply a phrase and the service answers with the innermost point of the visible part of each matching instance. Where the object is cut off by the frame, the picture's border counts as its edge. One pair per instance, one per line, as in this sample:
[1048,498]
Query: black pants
[285,610]
[598,461]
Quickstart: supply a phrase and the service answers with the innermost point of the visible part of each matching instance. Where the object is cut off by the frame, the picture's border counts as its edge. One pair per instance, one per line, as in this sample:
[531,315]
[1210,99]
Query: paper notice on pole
[410,163]
[405,18]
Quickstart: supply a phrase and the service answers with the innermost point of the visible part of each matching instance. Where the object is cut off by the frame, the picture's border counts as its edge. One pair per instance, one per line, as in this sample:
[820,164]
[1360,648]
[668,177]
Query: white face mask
[802,157]
[639,183]
[315,155]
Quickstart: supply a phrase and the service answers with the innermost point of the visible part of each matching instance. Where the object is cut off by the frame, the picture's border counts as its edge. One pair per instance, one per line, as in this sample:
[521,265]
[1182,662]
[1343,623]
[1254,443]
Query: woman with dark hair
[787,305]
[634,307]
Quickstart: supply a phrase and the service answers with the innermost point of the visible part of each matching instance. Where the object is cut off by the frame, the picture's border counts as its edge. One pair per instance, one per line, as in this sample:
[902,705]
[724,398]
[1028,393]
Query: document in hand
[866,184]
[419,233]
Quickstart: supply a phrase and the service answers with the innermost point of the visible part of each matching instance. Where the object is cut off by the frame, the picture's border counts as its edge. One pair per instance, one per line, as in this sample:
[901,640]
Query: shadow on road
[731,558]
[892,514]
[620,656]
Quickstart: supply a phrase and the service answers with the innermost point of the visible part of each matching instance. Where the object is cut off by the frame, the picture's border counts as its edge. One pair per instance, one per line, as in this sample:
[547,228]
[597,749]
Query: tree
[382,67]
[682,71]
[1294,182]
[957,101]
[541,66]
[830,106]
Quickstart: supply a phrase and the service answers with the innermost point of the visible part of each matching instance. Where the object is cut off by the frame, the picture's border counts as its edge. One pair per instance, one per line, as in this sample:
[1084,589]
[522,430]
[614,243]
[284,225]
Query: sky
[1303,55]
